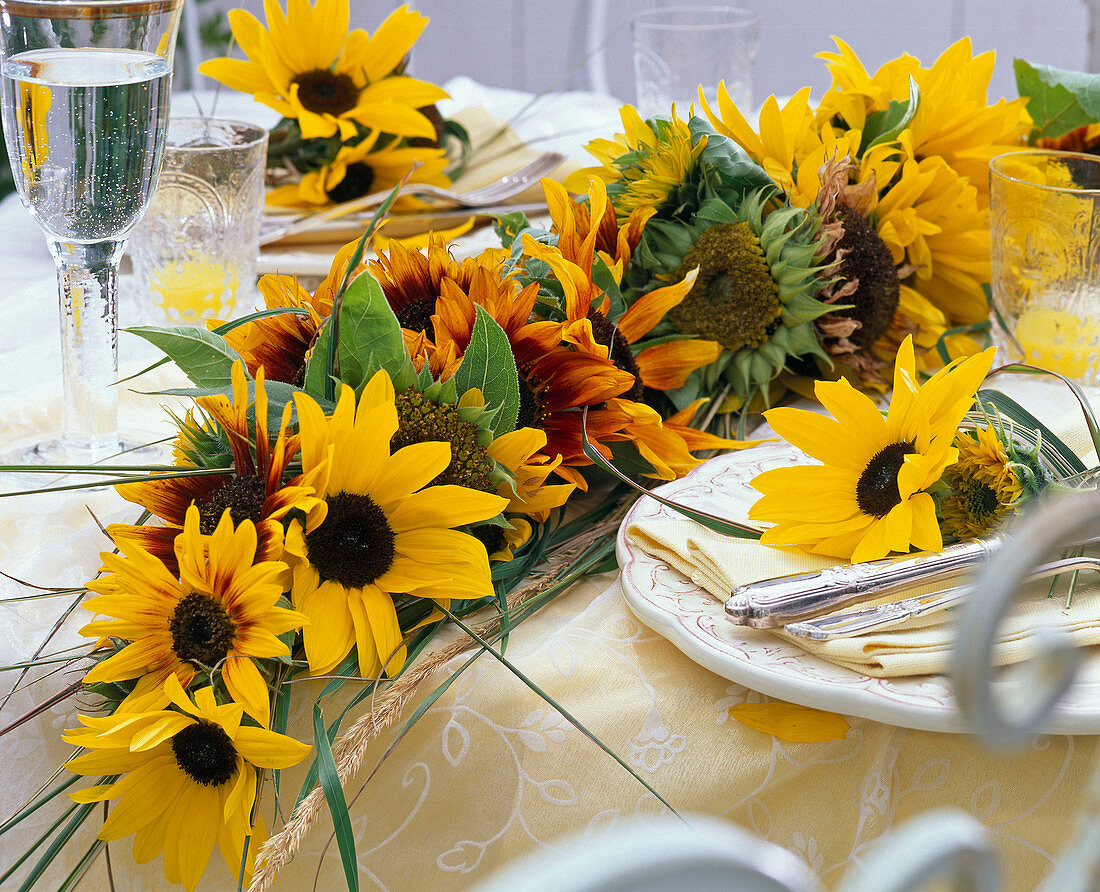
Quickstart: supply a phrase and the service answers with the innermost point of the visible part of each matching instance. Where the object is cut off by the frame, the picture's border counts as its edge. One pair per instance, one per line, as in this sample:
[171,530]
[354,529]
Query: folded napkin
[920,646]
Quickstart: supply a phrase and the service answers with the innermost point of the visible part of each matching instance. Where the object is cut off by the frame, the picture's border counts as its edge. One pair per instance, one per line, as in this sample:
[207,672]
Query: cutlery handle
[774,602]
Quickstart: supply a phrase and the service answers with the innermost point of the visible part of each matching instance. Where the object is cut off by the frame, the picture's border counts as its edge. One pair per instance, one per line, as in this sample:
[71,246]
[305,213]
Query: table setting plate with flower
[433,616]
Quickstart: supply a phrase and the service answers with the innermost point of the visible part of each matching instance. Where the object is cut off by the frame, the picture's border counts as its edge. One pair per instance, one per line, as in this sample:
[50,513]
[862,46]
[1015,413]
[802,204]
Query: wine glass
[84,86]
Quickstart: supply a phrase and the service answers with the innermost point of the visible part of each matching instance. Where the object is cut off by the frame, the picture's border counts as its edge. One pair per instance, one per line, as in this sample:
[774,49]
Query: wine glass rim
[99,9]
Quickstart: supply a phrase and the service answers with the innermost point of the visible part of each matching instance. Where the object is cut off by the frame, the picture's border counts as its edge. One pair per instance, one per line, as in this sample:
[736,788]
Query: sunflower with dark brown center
[866,261]
[251,489]
[219,613]
[188,782]
[869,496]
[379,530]
[308,67]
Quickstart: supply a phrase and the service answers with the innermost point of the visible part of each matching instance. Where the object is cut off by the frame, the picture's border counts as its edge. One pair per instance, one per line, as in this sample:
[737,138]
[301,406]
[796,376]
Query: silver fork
[491,194]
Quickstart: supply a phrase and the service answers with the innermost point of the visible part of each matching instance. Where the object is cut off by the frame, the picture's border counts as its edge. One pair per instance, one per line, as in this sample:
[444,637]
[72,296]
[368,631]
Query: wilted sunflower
[306,66]
[360,169]
[252,488]
[219,613]
[645,166]
[188,780]
[379,530]
[869,496]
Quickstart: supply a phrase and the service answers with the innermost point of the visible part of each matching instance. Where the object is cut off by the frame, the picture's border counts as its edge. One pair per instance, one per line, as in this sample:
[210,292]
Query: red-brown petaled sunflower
[252,489]
[587,230]
[663,366]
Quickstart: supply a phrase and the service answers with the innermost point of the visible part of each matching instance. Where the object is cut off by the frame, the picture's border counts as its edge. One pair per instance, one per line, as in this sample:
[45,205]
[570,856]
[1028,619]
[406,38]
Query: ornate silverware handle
[774,602]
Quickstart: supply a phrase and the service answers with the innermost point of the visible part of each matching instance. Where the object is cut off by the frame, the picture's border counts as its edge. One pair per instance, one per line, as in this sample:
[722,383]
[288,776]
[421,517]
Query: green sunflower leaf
[509,226]
[369,331]
[1057,100]
[489,366]
[203,356]
[884,126]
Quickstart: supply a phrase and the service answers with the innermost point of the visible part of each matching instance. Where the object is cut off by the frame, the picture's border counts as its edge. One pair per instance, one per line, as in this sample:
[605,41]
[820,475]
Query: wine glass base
[57,463]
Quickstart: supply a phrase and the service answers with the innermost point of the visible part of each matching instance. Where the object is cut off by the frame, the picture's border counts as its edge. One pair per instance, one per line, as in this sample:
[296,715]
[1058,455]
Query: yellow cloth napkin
[919,646]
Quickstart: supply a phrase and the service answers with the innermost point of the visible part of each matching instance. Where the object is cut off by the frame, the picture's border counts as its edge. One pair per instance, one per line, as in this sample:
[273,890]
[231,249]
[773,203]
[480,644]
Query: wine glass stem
[87,279]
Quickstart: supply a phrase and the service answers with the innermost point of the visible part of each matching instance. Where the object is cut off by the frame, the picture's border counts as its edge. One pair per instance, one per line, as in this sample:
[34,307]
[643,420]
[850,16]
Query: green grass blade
[710,521]
[77,874]
[334,796]
[33,847]
[32,807]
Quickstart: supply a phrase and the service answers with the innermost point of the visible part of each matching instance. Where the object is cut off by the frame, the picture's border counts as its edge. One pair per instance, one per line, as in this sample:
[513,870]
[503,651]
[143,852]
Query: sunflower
[360,169]
[415,281]
[869,496]
[586,231]
[251,489]
[755,293]
[306,66]
[31,108]
[591,325]
[985,490]
[954,120]
[217,615]
[188,779]
[555,379]
[646,165]
[378,531]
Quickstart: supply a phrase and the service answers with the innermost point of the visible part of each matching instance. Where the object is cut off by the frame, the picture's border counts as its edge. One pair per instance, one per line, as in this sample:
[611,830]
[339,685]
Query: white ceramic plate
[695,622]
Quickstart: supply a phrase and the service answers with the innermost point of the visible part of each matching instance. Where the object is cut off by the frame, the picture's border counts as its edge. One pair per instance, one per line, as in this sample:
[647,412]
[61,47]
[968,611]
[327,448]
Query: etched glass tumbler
[195,251]
[85,92]
[679,50]
[1045,251]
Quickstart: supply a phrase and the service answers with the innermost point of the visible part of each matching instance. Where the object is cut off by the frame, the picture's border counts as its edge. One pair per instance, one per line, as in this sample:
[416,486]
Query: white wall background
[532,44]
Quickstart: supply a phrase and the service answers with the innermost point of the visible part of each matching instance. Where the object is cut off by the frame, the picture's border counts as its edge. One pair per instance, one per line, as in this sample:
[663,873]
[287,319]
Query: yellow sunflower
[188,779]
[985,490]
[379,531]
[644,165]
[869,496]
[305,65]
[219,615]
[360,169]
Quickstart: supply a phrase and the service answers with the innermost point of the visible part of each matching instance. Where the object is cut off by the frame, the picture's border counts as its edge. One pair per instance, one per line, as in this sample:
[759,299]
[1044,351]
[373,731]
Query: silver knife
[774,602]
[883,616]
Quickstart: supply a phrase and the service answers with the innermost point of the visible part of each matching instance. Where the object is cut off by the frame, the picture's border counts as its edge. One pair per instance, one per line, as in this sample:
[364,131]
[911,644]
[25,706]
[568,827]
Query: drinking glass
[680,49]
[195,251]
[1045,241]
[84,86]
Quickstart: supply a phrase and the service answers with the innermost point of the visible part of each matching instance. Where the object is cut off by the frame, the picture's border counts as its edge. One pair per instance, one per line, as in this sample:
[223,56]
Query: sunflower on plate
[869,494]
[187,782]
[308,67]
[370,165]
[379,530]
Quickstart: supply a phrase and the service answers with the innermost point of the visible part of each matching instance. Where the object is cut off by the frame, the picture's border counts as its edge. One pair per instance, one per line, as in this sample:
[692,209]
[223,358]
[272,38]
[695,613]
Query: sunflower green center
[533,411]
[979,500]
[202,631]
[243,495]
[354,545]
[357,181]
[735,299]
[326,92]
[866,259]
[877,488]
[205,754]
[619,351]
[420,420]
[416,315]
